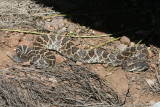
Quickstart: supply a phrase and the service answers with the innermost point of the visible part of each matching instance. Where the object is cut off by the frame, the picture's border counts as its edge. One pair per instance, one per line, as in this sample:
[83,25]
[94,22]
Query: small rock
[79,63]
[78,30]
[60,58]
[53,79]
[83,27]
[133,79]
[153,65]
[152,102]
[122,47]
[66,68]
[55,24]
[125,40]
[49,20]
[71,27]
[63,29]
[105,65]
[151,82]
[26,63]
[132,44]
[150,54]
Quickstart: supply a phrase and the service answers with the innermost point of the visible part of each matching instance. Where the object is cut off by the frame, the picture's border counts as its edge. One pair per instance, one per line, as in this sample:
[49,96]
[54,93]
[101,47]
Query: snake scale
[131,59]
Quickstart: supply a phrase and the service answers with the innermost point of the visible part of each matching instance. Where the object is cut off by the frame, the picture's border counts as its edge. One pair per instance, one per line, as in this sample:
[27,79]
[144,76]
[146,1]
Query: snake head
[39,63]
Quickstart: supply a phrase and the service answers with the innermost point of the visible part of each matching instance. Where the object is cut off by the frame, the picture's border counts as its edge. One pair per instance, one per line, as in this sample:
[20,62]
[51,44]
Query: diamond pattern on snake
[131,59]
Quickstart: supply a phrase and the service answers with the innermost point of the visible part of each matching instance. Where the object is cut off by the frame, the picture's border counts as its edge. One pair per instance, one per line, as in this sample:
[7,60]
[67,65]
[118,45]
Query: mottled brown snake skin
[131,59]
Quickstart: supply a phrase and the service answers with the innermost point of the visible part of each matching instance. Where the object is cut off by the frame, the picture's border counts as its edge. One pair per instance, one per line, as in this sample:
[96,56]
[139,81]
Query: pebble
[122,47]
[79,63]
[151,82]
[78,30]
[26,63]
[133,79]
[53,79]
[71,27]
[152,102]
[150,54]
[125,40]
[132,44]
[153,65]
[60,58]
[63,29]
[105,65]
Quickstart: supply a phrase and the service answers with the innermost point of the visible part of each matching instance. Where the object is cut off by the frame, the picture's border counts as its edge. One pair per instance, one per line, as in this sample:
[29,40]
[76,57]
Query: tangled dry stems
[77,86]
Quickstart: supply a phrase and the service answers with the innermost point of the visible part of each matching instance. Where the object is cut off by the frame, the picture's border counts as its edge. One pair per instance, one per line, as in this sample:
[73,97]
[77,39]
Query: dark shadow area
[139,20]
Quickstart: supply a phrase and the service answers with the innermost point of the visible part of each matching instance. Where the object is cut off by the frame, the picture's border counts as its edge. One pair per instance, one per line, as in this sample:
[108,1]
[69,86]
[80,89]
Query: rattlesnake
[131,59]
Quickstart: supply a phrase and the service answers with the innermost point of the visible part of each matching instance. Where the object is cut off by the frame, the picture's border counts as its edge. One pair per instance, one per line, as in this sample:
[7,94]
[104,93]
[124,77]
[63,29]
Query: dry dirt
[139,92]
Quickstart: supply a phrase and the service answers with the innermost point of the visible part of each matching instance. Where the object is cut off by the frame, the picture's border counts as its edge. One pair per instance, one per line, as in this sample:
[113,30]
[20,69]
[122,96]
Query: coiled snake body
[131,59]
